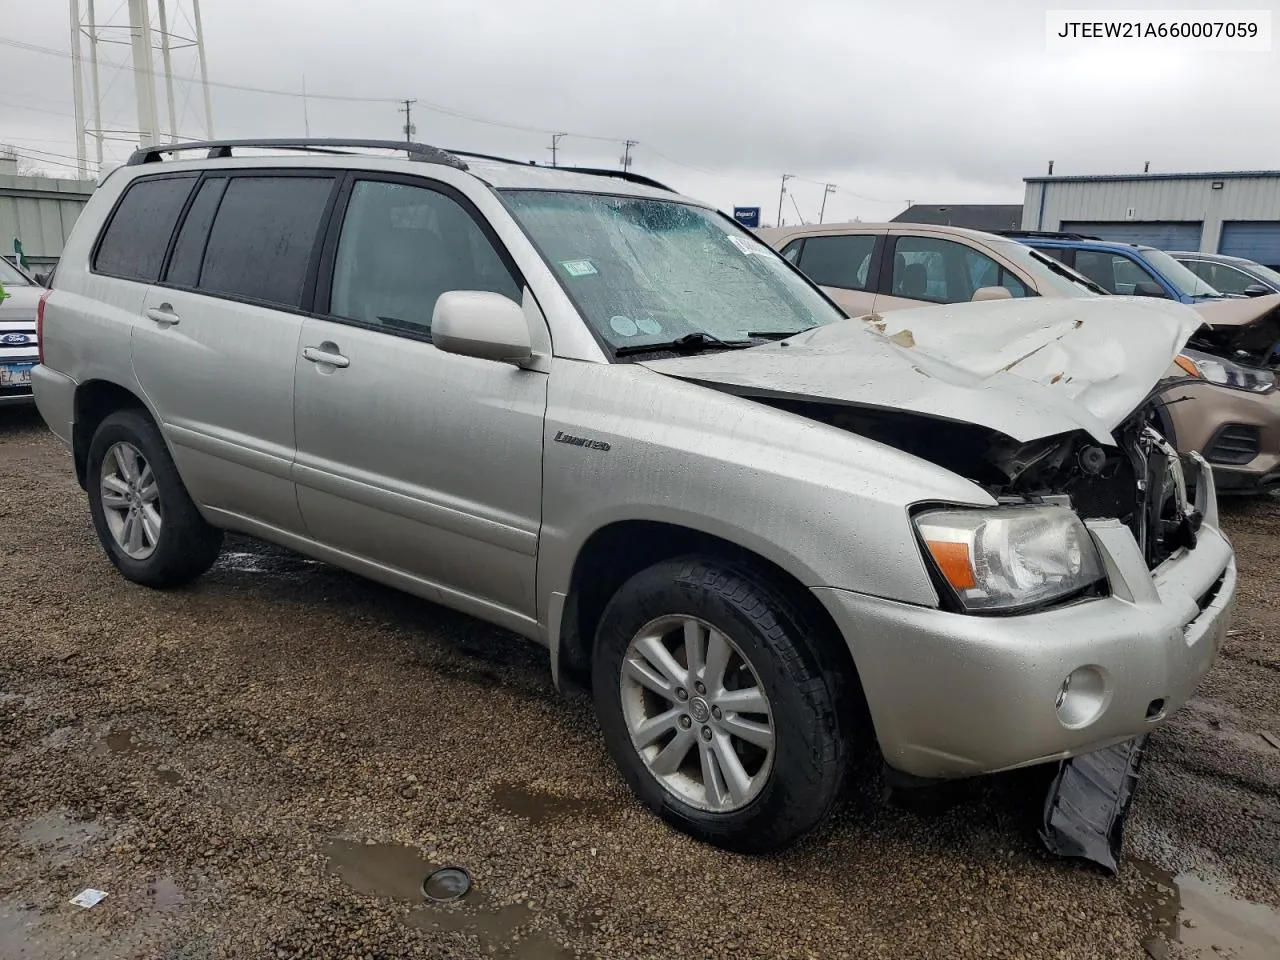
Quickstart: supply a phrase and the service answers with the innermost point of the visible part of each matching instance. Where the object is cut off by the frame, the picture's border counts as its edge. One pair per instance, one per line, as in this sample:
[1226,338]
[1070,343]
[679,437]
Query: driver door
[424,466]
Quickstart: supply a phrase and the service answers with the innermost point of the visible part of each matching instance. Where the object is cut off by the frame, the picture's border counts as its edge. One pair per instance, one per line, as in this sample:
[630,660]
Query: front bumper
[953,695]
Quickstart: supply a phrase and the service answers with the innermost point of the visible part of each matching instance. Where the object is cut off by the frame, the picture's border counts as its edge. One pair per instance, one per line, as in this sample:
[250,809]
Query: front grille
[1235,444]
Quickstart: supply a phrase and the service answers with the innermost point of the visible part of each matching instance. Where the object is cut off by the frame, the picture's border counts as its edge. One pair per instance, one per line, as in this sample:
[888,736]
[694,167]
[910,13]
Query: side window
[835,261]
[402,246]
[1098,267]
[133,244]
[1129,274]
[188,252]
[262,238]
[791,252]
[944,271]
[1223,278]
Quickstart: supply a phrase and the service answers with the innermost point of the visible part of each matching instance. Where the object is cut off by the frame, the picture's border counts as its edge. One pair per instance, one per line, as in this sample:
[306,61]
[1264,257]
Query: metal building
[39,211]
[1236,213]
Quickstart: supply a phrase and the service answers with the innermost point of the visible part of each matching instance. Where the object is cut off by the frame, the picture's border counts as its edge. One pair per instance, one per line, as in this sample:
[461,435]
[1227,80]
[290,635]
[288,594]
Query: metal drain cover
[446,884]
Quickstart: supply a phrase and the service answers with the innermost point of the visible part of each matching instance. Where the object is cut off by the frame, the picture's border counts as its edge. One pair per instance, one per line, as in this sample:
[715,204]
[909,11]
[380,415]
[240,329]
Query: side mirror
[991,293]
[1148,289]
[1256,290]
[476,323]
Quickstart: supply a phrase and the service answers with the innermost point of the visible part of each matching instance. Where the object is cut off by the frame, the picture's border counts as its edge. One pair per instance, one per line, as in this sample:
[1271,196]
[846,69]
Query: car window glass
[1227,279]
[188,252]
[401,247]
[134,242]
[838,261]
[1129,273]
[944,271]
[262,238]
[792,251]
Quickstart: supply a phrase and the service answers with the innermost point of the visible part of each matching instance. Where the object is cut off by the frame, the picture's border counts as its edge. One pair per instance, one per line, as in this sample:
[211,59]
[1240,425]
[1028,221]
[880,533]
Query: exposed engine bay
[1142,481]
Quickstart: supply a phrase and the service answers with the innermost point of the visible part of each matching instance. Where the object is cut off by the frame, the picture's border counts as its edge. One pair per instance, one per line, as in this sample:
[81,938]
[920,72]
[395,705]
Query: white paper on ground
[88,897]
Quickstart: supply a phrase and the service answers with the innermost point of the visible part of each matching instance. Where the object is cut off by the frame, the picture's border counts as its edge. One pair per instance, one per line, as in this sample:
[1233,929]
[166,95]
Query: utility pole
[782,195]
[626,153]
[409,128]
[829,189]
[306,118]
[799,215]
[555,143]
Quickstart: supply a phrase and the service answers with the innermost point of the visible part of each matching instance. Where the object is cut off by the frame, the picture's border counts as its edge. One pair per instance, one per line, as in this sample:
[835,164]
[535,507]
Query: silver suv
[604,416]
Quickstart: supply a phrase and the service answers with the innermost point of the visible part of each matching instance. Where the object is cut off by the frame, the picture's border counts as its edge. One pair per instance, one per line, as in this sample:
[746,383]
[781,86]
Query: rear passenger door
[216,346]
[424,465]
[844,265]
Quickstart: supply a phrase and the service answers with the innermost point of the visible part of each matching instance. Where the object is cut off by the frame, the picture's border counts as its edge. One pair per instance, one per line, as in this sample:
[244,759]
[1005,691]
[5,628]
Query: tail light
[40,324]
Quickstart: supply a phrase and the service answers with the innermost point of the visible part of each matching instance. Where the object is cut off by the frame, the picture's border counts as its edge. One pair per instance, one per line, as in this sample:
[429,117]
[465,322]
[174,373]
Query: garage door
[1161,234]
[1257,240]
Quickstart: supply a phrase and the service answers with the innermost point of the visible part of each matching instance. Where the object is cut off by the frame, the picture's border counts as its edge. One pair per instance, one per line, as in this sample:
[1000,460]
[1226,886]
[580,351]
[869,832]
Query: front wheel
[719,703]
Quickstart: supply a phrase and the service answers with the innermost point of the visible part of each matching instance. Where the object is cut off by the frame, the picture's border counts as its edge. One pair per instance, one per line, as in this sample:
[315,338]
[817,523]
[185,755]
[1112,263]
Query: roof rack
[590,171]
[1046,234]
[219,149]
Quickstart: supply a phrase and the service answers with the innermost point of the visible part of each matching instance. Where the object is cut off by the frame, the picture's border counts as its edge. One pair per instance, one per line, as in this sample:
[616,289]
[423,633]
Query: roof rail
[591,171]
[1046,234]
[218,149]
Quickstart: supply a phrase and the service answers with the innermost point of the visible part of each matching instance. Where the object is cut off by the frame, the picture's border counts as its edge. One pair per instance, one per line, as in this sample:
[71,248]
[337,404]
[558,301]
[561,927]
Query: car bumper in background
[1238,433]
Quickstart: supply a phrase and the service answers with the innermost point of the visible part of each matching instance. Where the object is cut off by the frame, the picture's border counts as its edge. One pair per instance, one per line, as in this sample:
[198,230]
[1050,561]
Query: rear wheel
[141,511]
[719,704]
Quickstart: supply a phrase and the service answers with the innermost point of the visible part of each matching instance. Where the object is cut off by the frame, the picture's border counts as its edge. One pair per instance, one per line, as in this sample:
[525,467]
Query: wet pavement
[270,763]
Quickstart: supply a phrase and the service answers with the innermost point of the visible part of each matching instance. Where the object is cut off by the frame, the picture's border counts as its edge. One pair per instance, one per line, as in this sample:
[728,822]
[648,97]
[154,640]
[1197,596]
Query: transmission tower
[171,27]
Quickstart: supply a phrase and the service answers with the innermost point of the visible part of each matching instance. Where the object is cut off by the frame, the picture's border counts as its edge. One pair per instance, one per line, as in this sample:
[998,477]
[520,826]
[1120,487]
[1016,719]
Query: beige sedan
[877,267]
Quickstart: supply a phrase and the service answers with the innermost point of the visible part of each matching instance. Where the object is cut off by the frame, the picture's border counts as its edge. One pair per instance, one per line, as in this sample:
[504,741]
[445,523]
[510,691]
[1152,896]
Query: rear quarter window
[133,244]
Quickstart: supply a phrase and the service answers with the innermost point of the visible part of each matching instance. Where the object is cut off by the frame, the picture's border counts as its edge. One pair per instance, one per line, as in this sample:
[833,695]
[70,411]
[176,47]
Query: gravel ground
[268,763]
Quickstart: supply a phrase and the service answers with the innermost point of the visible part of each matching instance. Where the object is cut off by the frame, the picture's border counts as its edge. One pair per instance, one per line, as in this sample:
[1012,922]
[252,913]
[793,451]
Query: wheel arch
[95,400]
[616,551]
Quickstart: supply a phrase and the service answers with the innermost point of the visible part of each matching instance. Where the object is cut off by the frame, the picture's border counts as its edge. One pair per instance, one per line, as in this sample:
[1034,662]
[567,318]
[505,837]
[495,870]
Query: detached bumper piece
[1086,806]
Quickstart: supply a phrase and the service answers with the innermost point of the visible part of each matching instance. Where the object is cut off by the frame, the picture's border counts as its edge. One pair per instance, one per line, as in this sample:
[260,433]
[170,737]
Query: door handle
[318,355]
[163,315]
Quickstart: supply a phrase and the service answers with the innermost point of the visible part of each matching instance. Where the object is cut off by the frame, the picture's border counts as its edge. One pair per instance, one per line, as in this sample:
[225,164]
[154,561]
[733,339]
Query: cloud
[942,102]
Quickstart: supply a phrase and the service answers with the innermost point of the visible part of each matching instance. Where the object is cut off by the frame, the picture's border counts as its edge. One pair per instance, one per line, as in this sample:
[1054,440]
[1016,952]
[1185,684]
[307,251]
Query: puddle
[118,741]
[58,836]
[166,774]
[1205,922]
[379,869]
[397,871]
[279,564]
[164,895]
[537,806]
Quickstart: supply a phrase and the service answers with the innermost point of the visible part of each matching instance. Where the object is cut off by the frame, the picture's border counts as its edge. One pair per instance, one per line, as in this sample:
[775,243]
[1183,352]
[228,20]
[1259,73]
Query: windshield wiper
[690,343]
[777,334]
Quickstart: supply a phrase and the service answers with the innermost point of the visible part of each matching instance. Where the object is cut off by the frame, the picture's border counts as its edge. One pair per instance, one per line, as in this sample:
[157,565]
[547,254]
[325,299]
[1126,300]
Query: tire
[185,545]
[792,789]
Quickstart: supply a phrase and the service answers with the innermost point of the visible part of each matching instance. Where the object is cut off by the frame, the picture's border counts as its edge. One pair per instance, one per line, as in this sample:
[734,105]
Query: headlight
[1226,373]
[1010,557]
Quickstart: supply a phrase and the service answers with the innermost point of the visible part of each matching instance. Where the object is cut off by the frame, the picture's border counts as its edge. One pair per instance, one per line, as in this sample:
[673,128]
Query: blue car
[1124,269]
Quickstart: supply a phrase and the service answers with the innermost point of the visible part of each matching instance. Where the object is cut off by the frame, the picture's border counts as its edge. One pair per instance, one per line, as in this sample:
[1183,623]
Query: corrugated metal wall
[40,211]
[1049,204]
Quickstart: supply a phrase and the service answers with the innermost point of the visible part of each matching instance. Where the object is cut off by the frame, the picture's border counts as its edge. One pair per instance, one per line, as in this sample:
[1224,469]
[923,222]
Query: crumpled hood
[1029,368]
[1250,324]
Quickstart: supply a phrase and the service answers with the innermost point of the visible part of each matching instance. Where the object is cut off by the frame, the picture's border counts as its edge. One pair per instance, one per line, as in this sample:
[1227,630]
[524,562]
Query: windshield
[1186,282]
[644,271]
[10,276]
[1064,281]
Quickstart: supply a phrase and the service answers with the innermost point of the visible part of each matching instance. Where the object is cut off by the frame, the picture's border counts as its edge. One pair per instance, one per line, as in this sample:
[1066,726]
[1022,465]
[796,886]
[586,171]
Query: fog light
[1082,697]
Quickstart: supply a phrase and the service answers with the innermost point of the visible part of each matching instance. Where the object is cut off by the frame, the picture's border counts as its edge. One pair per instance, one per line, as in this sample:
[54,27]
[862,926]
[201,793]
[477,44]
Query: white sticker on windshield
[742,245]
[579,268]
[649,325]
[623,326]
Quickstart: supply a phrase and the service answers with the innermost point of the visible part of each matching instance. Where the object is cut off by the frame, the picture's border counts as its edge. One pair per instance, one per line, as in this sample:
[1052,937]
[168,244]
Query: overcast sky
[933,101]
